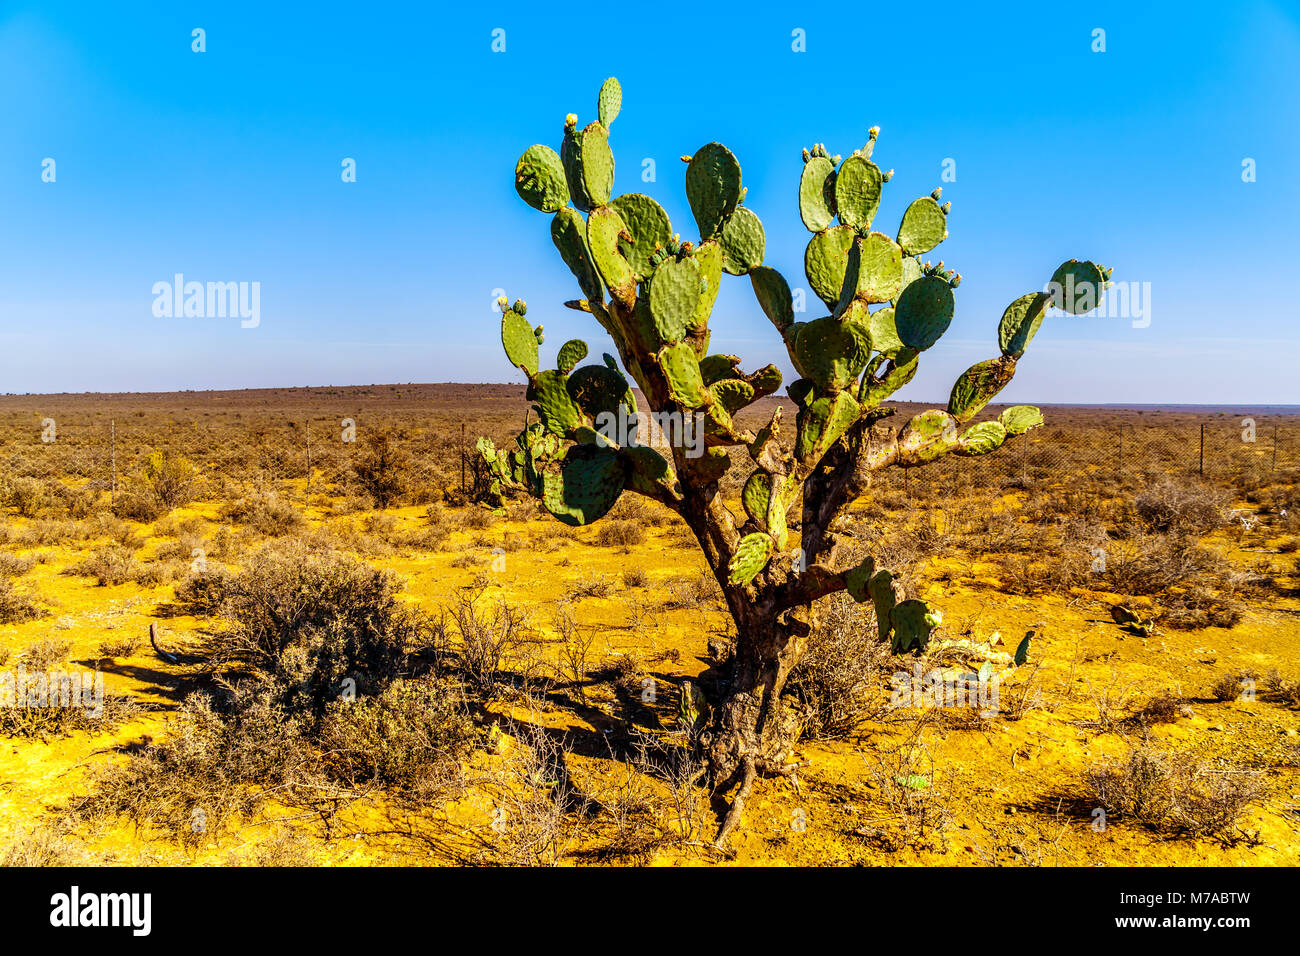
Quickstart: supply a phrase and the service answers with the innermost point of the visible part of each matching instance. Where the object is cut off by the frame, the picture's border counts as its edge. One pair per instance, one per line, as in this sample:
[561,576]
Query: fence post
[1274,468]
[306,431]
[1121,450]
[462,461]
[1201,466]
[112,444]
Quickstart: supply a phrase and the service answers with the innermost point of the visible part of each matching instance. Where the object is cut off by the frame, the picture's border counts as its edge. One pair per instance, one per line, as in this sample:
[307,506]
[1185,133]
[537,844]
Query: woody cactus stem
[653,294]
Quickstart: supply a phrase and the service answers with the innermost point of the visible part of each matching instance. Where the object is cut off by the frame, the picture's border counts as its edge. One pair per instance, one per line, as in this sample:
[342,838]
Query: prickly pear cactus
[653,292]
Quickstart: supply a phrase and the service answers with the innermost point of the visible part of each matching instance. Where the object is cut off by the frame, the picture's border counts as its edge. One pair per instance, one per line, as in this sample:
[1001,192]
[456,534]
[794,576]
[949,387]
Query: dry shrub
[264,514]
[635,578]
[306,621]
[593,586]
[15,606]
[840,676]
[1172,507]
[398,738]
[619,534]
[109,565]
[382,468]
[1172,793]
[489,638]
[13,565]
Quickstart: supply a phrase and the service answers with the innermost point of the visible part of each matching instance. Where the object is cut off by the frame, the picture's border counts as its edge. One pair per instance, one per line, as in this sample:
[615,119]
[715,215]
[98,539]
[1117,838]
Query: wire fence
[320,455]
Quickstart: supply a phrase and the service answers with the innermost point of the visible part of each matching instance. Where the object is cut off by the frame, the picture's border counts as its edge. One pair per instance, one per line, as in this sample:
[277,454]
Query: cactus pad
[884,334]
[912,625]
[649,227]
[924,226]
[1020,321]
[976,386]
[1077,287]
[1018,419]
[539,179]
[682,370]
[982,438]
[571,353]
[597,164]
[569,233]
[519,342]
[674,297]
[857,192]
[742,241]
[712,187]
[880,268]
[773,294]
[833,353]
[609,102]
[605,229]
[817,193]
[826,261]
[588,484]
[924,312]
[751,557]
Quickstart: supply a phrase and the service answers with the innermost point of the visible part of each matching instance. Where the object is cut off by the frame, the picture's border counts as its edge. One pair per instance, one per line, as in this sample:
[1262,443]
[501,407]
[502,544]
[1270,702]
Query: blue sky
[225,166]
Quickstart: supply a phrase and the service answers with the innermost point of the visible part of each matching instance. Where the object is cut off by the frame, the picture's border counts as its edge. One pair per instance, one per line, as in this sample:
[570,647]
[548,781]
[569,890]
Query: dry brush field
[357,663]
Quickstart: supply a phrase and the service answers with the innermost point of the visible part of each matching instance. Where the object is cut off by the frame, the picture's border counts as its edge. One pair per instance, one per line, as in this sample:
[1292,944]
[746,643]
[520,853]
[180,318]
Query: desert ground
[360,662]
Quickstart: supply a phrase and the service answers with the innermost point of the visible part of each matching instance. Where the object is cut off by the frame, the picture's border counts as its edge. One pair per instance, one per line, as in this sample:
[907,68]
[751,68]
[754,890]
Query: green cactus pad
[981,439]
[826,262]
[924,312]
[822,423]
[1077,286]
[609,102]
[714,368]
[539,179]
[773,294]
[857,578]
[1018,419]
[560,414]
[649,471]
[742,241]
[733,394]
[674,296]
[519,342]
[884,334]
[569,233]
[755,496]
[883,596]
[571,353]
[712,187]
[833,353]
[589,483]
[911,272]
[1020,321]
[765,381]
[597,163]
[597,388]
[649,227]
[571,159]
[903,366]
[604,229]
[682,370]
[710,257]
[857,192]
[977,385]
[880,268]
[817,193]
[924,226]
[928,436]
[751,557]
[911,622]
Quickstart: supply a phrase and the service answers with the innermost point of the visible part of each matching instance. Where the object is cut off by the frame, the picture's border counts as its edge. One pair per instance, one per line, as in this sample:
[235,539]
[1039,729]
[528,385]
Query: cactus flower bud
[946,207]
[571,120]
[686,159]
[520,306]
[503,303]
[936,194]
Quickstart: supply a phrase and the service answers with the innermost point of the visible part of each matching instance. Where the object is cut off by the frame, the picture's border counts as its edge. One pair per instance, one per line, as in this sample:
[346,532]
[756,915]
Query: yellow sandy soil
[1010,788]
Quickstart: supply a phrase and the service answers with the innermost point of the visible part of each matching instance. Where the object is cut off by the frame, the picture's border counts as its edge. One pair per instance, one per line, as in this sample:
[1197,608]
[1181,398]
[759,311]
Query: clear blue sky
[226,166]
